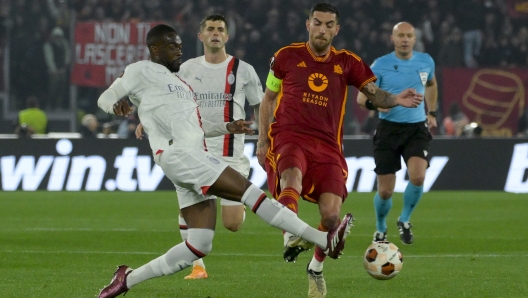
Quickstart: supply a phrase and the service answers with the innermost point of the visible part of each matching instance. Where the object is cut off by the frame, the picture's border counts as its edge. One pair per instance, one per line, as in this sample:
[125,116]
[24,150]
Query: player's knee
[291,177]
[233,217]
[232,226]
[385,194]
[201,240]
[417,181]
[330,221]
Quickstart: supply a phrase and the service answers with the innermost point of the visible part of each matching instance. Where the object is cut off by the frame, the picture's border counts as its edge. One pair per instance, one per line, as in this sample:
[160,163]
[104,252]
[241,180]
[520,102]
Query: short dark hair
[32,102]
[213,17]
[154,34]
[325,7]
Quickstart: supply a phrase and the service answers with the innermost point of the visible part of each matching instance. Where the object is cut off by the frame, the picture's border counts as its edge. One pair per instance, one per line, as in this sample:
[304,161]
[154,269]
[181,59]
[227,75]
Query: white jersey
[221,91]
[166,106]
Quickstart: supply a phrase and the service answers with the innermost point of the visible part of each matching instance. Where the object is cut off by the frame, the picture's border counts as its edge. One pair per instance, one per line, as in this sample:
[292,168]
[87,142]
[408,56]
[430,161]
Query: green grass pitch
[68,244]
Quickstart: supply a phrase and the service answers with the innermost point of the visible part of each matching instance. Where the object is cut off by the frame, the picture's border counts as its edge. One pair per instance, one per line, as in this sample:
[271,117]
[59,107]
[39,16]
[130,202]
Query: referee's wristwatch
[432,113]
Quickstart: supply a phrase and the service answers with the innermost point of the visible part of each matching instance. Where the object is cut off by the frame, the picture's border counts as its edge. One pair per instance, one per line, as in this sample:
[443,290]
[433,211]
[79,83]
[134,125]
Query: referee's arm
[431,98]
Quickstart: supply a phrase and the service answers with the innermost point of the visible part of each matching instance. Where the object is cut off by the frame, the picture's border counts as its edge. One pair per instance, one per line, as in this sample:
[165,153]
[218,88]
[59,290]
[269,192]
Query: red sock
[319,254]
[289,197]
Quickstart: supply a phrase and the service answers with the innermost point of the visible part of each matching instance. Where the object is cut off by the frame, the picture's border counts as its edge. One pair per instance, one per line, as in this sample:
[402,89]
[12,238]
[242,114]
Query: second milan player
[221,83]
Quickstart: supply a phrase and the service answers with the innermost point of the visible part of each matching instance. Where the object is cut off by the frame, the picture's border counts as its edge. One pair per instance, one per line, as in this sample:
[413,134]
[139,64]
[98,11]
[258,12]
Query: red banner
[518,8]
[494,98]
[103,50]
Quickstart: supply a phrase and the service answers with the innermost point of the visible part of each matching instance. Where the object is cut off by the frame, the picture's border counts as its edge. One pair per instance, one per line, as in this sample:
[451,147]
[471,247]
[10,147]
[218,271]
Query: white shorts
[240,165]
[193,171]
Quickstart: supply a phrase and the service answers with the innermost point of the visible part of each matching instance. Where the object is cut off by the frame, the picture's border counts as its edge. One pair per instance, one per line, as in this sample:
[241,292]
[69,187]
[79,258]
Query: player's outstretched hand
[409,98]
[122,108]
[240,126]
[139,131]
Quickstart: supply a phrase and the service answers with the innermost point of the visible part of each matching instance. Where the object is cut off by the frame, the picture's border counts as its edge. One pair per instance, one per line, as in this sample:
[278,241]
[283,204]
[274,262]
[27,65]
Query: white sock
[180,257]
[200,263]
[286,237]
[184,232]
[315,265]
[278,216]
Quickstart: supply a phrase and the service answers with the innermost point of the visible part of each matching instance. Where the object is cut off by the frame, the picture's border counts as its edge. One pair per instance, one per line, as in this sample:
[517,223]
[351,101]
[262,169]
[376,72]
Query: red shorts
[323,167]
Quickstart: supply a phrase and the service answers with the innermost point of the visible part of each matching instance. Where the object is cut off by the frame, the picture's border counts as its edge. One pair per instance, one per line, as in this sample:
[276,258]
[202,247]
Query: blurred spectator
[89,126]
[522,124]
[471,21]
[456,121]
[352,127]
[370,123]
[32,120]
[127,127]
[451,52]
[23,131]
[519,51]
[490,54]
[59,12]
[58,57]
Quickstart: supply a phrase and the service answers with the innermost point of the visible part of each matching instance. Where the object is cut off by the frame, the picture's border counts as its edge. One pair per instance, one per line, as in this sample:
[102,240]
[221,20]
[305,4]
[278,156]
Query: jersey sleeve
[377,72]
[359,73]
[277,63]
[254,91]
[132,78]
[121,87]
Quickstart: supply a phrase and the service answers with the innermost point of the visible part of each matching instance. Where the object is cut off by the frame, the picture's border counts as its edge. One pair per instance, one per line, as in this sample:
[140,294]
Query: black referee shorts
[393,140]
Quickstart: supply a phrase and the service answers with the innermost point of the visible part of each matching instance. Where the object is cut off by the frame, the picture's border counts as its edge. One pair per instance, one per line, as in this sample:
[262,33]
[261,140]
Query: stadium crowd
[463,33]
[443,26]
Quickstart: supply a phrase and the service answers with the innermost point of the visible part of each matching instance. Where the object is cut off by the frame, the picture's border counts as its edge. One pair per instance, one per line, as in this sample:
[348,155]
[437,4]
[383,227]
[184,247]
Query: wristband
[369,105]
[432,113]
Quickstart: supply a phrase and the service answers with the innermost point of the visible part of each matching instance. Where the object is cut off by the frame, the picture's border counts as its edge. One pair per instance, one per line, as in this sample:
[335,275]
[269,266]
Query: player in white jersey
[221,83]
[169,112]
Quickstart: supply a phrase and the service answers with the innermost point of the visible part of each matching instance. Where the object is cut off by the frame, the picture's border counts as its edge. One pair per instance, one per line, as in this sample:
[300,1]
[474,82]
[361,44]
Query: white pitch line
[79,230]
[252,255]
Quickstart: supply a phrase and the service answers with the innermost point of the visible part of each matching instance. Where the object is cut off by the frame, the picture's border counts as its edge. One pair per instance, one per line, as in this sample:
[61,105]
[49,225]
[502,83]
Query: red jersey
[313,94]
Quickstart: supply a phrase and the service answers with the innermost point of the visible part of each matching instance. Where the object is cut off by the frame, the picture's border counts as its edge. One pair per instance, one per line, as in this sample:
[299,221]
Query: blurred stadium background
[257,29]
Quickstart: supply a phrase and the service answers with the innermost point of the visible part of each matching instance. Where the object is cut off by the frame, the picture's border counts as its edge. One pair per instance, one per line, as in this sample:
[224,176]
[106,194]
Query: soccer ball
[383,260]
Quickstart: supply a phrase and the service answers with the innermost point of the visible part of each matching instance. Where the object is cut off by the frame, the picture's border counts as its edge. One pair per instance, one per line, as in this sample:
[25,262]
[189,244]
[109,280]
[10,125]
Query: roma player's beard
[321,44]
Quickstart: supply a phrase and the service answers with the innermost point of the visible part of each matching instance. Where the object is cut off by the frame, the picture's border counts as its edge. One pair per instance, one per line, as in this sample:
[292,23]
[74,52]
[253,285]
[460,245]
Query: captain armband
[273,83]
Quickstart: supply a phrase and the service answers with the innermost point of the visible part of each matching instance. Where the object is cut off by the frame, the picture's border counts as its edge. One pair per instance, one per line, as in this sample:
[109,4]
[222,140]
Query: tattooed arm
[383,99]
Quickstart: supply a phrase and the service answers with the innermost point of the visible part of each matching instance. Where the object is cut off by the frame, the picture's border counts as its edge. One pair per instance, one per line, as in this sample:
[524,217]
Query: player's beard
[174,66]
[321,45]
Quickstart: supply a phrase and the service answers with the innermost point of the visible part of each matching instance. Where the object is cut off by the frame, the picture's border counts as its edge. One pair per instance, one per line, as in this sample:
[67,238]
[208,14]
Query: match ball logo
[317,82]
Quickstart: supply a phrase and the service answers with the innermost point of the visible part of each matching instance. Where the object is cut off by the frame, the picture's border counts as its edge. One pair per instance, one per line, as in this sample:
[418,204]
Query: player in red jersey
[301,126]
